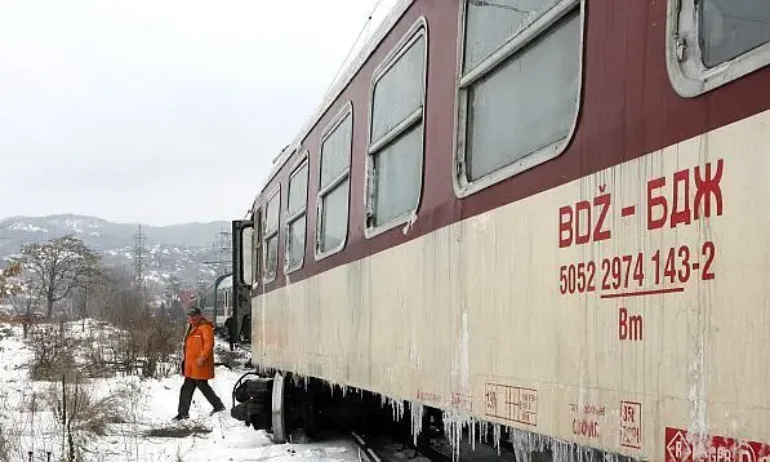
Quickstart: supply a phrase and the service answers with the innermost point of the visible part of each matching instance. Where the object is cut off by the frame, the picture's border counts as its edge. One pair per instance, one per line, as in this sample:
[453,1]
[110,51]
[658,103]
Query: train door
[243,270]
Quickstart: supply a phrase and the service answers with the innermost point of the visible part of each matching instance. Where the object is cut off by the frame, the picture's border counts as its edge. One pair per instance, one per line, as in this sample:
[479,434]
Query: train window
[731,28]
[712,42]
[247,241]
[296,221]
[271,235]
[333,194]
[519,90]
[256,261]
[395,160]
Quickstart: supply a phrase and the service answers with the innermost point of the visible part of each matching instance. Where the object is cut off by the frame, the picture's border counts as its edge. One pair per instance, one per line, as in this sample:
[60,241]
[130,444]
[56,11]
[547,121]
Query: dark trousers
[186,394]
[232,338]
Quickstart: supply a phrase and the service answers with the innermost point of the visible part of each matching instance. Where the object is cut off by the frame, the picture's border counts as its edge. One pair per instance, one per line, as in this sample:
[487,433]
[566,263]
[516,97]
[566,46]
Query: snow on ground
[145,408]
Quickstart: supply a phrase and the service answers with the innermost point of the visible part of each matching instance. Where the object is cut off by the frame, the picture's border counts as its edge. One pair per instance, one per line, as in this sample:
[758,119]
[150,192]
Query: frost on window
[492,23]
[247,236]
[271,215]
[271,257]
[256,260]
[298,190]
[730,28]
[399,92]
[295,243]
[527,102]
[398,177]
[334,218]
[335,167]
[397,116]
[335,152]
[271,235]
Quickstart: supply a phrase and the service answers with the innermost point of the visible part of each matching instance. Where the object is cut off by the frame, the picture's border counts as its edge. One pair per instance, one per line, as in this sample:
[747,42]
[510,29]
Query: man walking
[232,332]
[198,364]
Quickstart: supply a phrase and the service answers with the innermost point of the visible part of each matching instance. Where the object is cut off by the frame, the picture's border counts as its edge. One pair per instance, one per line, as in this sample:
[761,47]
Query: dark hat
[194,311]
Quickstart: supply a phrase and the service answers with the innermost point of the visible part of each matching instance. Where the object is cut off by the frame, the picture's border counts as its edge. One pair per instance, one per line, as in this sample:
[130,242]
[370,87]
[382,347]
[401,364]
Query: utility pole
[139,251]
[226,250]
[223,243]
[223,246]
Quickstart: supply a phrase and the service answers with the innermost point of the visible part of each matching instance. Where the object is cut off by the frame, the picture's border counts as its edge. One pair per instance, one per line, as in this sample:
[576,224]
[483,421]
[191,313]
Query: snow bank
[28,423]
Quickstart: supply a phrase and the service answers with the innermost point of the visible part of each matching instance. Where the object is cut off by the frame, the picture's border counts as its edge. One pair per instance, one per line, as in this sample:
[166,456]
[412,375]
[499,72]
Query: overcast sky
[138,110]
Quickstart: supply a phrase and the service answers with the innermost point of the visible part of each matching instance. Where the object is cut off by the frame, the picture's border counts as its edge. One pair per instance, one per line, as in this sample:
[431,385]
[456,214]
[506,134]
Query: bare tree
[58,266]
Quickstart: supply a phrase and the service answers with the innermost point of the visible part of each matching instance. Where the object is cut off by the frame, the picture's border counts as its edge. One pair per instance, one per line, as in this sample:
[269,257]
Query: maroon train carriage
[541,220]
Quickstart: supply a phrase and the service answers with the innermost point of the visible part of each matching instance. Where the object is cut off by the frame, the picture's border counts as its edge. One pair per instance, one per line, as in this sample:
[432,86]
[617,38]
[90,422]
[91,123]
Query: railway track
[389,449]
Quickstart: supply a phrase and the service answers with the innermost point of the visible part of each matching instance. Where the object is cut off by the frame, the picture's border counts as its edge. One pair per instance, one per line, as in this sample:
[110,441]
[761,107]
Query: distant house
[187,298]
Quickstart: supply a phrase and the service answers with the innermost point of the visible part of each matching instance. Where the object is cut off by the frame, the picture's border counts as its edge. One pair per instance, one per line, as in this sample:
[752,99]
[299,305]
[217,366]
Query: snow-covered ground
[145,408]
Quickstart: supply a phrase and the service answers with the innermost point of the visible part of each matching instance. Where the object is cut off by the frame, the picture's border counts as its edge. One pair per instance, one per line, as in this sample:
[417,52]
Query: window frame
[336,122]
[418,30]
[462,185]
[688,75]
[256,246]
[267,236]
[302,161]
[250,257]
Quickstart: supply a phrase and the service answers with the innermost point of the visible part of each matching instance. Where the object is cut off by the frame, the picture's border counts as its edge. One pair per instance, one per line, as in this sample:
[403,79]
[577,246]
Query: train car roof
[226,282]
[339,86]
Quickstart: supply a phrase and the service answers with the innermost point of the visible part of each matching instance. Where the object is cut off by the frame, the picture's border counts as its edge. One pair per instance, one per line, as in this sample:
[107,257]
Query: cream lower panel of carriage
[472,317]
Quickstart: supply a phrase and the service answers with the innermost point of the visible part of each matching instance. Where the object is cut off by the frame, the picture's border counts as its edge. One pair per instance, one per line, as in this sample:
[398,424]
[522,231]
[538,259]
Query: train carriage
[547,216]
[218,307]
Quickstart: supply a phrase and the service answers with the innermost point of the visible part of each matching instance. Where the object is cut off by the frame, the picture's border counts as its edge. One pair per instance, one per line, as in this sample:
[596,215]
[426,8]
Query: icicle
[497,431]
[473,434]
[417,411]
[483,431]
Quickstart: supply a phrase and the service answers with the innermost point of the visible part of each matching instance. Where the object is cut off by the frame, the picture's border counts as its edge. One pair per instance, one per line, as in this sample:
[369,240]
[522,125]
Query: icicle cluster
[455,422]
[396,405]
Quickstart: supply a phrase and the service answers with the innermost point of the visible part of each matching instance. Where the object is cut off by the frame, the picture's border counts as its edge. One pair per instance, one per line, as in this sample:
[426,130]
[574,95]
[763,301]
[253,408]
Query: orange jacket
[199,343]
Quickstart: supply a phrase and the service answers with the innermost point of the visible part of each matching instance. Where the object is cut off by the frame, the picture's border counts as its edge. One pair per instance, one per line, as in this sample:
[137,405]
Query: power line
[352,47]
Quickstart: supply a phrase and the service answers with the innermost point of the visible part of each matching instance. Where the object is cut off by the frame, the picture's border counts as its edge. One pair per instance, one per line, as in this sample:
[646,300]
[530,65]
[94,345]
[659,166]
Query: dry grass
[6,331]
[6,446]
[177,431]
[147,349]
[53,353]
[82,418]
[84,412]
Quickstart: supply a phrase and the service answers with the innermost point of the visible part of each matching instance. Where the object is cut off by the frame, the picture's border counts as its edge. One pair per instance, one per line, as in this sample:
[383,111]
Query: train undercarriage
[297,410]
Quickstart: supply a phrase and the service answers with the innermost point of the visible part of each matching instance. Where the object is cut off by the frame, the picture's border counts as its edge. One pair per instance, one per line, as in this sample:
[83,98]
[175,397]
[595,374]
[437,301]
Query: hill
[181,250]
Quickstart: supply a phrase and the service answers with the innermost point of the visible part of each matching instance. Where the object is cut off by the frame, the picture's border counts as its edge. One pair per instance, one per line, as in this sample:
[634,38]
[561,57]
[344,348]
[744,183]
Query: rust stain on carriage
[462,401]
[428,397]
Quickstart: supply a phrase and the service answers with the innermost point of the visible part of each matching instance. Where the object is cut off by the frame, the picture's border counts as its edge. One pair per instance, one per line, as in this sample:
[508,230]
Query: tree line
[65,273]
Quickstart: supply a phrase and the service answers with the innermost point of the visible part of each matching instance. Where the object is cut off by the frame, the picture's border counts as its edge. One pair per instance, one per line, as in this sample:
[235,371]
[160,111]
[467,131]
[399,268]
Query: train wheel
[279,409]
